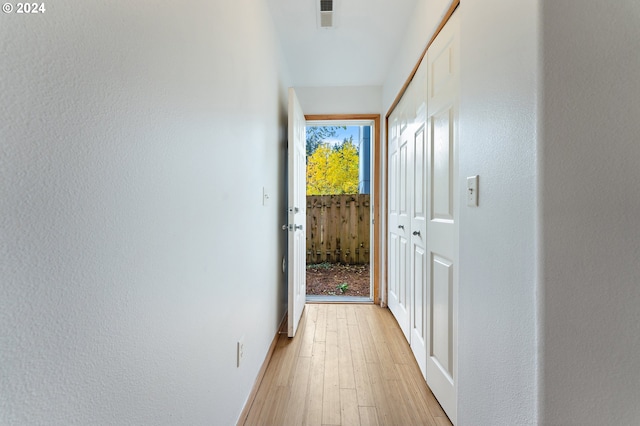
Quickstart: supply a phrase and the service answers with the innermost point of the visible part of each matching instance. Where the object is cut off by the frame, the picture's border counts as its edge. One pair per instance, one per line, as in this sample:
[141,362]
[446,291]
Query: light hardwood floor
[348,365]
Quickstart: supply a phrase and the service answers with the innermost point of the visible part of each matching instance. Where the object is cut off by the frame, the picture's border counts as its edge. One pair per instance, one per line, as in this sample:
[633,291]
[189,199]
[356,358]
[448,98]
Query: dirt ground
[327,279]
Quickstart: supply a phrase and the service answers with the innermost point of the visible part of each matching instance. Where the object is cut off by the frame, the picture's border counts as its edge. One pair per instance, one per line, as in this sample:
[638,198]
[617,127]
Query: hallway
[348,365]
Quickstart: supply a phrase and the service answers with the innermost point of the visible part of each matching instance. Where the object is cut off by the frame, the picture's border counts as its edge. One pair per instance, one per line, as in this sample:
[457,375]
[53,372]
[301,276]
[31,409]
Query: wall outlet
[240,351]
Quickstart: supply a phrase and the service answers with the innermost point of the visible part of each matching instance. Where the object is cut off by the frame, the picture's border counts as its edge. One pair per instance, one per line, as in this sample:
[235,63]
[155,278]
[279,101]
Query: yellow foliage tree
[333,171]
[317,171]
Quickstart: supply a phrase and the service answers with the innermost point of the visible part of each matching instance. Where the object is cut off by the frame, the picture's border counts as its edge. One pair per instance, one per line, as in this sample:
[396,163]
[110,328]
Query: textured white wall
[340,100]
[591,204]
[498,242]
[135,140]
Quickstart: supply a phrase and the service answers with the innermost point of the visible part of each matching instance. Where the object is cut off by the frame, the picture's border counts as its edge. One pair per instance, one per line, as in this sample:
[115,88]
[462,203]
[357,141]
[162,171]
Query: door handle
[401,227]
[285,227]
[299,227]
[416,232]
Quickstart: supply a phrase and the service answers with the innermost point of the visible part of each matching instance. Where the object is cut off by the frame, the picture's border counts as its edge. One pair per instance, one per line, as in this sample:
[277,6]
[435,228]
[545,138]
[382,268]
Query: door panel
[419,175]
[393,183]
[418,212]
[399,223]
[442,226]
[403,268]
[441,166]
[418,306]
[442,309]
[442,66]
[403,205]
[403,310]
[392,282]
[394,246]
[297,213]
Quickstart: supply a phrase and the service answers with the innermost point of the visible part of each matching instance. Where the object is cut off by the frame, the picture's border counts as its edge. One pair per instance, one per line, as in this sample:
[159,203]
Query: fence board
[338,228]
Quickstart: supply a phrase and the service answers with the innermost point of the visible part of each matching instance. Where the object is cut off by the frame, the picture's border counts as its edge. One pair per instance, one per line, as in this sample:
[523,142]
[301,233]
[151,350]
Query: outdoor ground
[327,279]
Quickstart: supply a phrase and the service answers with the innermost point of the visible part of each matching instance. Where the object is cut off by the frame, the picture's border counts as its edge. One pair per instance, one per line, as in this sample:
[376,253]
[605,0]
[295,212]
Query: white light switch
[472,191]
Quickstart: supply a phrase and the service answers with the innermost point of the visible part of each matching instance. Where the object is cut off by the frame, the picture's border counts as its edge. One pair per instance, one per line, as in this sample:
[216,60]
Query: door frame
[377,257]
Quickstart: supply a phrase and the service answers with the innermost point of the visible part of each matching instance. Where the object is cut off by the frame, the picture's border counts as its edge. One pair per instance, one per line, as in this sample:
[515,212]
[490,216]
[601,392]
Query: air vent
[325,14]
[326,19]
[326,5]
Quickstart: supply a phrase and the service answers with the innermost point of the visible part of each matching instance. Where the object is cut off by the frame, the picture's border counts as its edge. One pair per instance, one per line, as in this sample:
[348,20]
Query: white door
[418,218]
[297,204]
[392,159]
[399,224]
[443,213]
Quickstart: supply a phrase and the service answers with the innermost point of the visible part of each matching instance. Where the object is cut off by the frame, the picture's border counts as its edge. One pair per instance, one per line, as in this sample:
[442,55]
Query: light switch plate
[472,191]
[240,351]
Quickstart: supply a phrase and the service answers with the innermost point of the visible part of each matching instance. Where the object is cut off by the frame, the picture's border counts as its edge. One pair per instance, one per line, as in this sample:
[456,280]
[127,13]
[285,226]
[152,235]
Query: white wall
[134,250]
[340,100]
[591,193]
[498,240]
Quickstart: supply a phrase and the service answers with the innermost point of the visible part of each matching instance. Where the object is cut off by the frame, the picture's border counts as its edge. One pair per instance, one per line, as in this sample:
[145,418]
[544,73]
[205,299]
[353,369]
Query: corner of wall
[499,240]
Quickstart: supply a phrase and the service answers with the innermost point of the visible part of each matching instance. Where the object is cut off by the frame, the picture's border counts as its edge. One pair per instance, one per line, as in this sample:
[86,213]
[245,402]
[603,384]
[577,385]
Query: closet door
[399,224]
[443,209]
[418,218]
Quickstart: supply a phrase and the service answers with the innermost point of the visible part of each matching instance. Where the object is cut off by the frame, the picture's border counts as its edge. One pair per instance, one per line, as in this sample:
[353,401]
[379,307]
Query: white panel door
[443,209]
[297,213]
[399,224]
[418,219]
[393,182]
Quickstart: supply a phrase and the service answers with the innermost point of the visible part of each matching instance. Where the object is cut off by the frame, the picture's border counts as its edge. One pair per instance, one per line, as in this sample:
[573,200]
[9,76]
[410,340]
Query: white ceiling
[357,52]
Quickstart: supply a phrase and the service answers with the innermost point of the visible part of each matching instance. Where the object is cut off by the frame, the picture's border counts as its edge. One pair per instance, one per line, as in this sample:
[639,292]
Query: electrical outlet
[240,351]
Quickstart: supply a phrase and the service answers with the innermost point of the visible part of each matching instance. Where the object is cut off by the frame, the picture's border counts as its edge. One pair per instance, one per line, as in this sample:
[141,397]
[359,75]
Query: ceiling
[357,52]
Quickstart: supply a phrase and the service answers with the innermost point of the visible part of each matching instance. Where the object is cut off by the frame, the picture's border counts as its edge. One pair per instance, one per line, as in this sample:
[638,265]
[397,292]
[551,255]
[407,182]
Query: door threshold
[339,299]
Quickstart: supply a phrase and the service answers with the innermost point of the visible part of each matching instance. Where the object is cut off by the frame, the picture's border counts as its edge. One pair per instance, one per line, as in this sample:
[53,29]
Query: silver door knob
[285,227]
[416,232]
[299,227]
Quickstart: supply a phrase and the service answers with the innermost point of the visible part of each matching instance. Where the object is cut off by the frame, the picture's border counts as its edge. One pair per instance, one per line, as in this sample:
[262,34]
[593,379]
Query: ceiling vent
[325,14]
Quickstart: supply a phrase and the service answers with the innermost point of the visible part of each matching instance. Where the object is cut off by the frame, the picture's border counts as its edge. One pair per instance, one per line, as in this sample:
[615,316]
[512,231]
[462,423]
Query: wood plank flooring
[348,365]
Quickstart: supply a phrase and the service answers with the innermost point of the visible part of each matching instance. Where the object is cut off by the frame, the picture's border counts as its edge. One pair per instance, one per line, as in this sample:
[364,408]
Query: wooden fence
[338,228]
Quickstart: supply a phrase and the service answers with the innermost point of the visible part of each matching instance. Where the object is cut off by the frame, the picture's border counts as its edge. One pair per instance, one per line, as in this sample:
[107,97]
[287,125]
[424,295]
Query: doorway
[341,249]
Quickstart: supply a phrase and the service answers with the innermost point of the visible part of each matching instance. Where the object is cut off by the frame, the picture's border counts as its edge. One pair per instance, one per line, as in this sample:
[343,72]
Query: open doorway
[339,237]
